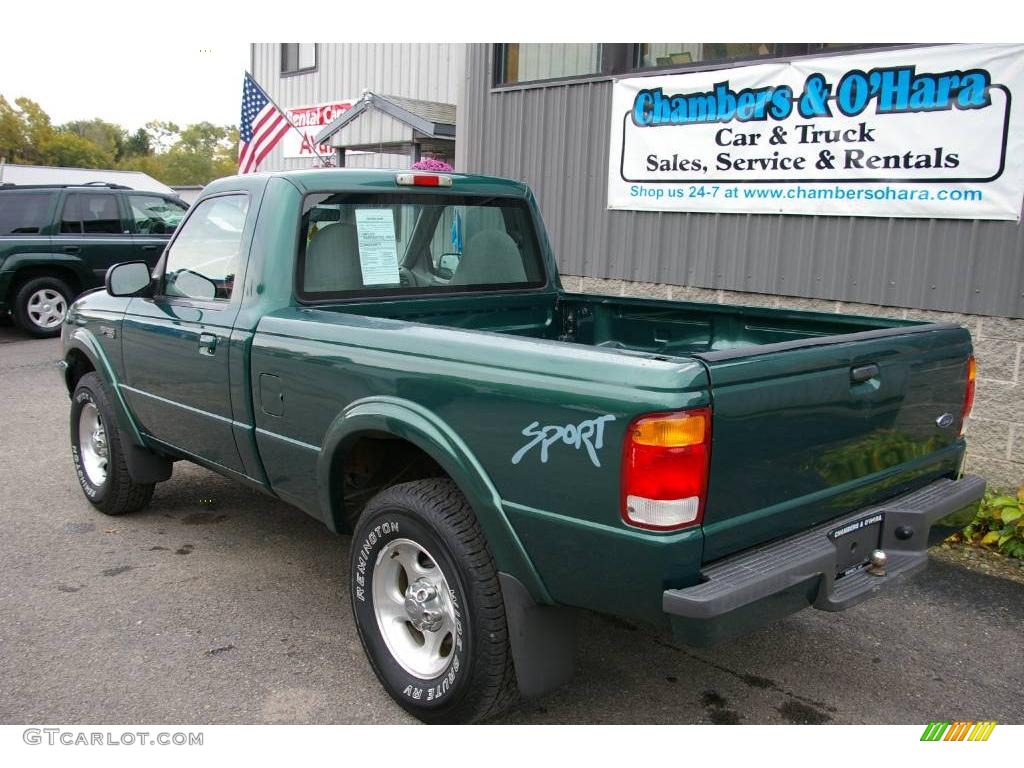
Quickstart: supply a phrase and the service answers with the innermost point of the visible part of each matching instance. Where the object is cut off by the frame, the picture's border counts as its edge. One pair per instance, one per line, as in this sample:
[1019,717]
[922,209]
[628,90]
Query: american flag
[263,125]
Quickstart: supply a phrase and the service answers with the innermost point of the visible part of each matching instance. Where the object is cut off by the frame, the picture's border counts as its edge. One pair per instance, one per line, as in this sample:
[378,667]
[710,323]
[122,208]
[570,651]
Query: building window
[663,55]
[523,62]
[516,63]
[297,57]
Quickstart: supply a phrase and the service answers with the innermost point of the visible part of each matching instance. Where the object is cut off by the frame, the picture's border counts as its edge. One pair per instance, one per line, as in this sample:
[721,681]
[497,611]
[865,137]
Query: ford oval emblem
[945,420]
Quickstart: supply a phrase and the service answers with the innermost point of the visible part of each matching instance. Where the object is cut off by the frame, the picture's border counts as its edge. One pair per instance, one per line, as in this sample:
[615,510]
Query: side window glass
[203,259]
[24,212]
[155,215]
[91,213]
[71,217]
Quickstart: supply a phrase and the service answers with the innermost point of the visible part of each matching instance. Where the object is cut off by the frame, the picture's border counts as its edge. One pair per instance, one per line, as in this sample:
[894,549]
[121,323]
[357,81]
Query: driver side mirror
[449,262]
[130,278]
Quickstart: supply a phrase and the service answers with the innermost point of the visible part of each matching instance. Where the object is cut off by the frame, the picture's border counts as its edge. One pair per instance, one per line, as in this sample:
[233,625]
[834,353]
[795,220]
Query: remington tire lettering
[428,605]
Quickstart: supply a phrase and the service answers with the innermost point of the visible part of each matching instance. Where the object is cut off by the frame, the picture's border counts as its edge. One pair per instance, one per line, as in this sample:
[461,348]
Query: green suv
[57,241]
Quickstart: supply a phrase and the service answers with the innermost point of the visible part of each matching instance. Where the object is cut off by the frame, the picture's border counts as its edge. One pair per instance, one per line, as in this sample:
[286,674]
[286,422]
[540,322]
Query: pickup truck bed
[798,446]
[403,364]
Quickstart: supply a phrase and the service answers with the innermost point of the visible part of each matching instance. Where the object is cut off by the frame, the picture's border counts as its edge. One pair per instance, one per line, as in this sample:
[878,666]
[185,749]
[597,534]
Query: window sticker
[378,251]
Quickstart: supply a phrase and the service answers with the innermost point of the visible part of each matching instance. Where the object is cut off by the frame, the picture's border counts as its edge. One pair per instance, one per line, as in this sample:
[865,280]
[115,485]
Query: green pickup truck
[393,353]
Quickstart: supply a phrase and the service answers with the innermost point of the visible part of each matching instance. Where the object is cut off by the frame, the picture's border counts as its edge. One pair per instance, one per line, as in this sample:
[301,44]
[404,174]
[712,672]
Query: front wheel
[428,604]
[98,454]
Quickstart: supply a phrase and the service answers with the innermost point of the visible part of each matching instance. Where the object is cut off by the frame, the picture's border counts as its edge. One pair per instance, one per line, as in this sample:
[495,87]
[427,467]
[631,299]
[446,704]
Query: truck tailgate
[809,430]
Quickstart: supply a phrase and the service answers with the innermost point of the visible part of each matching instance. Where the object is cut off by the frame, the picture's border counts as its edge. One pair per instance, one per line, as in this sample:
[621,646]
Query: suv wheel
[41,304]
[428,604]
[98,455]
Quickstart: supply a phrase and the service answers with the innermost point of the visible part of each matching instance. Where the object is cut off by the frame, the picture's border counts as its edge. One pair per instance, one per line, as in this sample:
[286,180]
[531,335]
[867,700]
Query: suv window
[24,212]
[203,259]
[156,215]
[91,213]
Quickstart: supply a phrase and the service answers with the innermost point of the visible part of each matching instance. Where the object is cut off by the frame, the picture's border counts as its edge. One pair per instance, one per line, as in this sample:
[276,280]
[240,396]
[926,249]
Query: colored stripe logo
[959,730]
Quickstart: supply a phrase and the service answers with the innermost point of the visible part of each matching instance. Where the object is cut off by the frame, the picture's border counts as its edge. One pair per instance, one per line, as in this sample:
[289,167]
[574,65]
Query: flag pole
[312,146]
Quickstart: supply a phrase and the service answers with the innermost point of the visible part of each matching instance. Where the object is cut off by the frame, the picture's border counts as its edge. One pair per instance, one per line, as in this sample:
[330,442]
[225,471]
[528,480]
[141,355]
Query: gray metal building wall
[555,138]
[429,71]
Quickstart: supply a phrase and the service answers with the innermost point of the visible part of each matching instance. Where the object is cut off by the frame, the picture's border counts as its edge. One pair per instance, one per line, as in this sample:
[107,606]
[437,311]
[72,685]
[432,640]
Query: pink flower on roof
[431,164]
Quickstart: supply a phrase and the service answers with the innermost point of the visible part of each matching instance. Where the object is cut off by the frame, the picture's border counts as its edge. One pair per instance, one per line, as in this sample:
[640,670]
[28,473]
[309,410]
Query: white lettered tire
[98,454]
[428,605]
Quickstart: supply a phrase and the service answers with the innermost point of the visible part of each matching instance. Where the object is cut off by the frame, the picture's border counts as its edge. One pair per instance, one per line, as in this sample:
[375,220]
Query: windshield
[356,245]
[156,215]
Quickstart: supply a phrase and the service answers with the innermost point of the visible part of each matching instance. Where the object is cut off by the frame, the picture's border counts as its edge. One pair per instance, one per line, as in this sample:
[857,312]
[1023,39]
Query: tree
[162,134]
[203,137]
[69,150]
[37,124]
[137,145]
[201,153]
[195,154]
[24,130]
[151,164]
[12,132]
[109,137]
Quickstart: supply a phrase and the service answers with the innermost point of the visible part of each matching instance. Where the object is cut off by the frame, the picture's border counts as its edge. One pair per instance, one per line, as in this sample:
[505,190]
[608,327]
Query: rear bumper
[747,590]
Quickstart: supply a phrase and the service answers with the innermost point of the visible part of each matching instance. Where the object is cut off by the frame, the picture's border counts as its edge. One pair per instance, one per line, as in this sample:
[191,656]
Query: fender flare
[144,466]
[60,261]
[421,427]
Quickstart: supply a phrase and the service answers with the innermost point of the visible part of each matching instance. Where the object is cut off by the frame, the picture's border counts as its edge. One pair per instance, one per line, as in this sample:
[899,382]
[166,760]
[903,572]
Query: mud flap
[543,640]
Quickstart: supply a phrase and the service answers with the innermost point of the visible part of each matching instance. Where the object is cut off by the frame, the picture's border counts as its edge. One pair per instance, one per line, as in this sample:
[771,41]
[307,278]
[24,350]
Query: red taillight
[423,180]
[665,469]
[972,374]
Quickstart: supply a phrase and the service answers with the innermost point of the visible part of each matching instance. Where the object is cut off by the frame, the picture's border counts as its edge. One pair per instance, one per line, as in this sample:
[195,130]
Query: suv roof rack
[104,184]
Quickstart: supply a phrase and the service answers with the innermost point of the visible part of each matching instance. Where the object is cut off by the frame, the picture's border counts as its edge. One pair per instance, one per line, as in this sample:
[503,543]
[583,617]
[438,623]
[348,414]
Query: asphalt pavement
[221,605]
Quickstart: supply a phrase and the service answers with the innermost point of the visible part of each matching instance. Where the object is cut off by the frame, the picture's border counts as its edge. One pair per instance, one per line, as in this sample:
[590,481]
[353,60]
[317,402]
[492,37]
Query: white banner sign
[311,120]
[925,132]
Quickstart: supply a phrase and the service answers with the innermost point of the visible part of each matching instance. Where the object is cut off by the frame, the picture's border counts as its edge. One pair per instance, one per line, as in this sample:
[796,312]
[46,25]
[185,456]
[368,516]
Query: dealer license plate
[855,541]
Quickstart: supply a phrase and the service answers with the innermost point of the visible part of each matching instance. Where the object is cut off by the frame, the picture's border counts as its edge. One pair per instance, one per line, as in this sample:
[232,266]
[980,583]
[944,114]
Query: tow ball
[876,563]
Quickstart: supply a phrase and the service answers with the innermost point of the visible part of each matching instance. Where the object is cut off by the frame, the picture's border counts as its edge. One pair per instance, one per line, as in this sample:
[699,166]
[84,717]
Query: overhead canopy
[379,123]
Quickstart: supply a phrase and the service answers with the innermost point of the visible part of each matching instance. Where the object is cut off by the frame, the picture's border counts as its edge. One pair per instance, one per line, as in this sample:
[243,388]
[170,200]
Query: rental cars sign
[925,132]
[310,121]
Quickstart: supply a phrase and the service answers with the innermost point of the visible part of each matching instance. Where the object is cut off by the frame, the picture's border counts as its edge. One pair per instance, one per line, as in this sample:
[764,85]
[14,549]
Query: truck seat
[332,260]
[490,257]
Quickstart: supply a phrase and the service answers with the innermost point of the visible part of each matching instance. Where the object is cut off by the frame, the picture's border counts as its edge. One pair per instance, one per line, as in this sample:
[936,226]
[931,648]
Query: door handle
[861,373]
[149,247]
[71,249]
[207,344]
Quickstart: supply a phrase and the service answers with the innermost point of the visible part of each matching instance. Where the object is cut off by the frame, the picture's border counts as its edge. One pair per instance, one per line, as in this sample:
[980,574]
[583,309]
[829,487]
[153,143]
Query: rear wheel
[98,454]
[41,304]
[428,604]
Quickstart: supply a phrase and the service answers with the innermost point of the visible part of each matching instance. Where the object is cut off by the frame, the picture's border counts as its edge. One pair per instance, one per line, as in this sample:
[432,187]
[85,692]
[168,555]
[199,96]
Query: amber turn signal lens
[972,374]
[665,460]
[675,431]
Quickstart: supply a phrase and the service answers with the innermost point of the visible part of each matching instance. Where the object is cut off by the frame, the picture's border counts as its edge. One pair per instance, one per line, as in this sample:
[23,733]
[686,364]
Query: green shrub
[998,524]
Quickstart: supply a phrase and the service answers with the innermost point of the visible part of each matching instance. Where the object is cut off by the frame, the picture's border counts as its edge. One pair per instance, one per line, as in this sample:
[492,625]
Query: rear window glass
[24,213]
[355,245]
